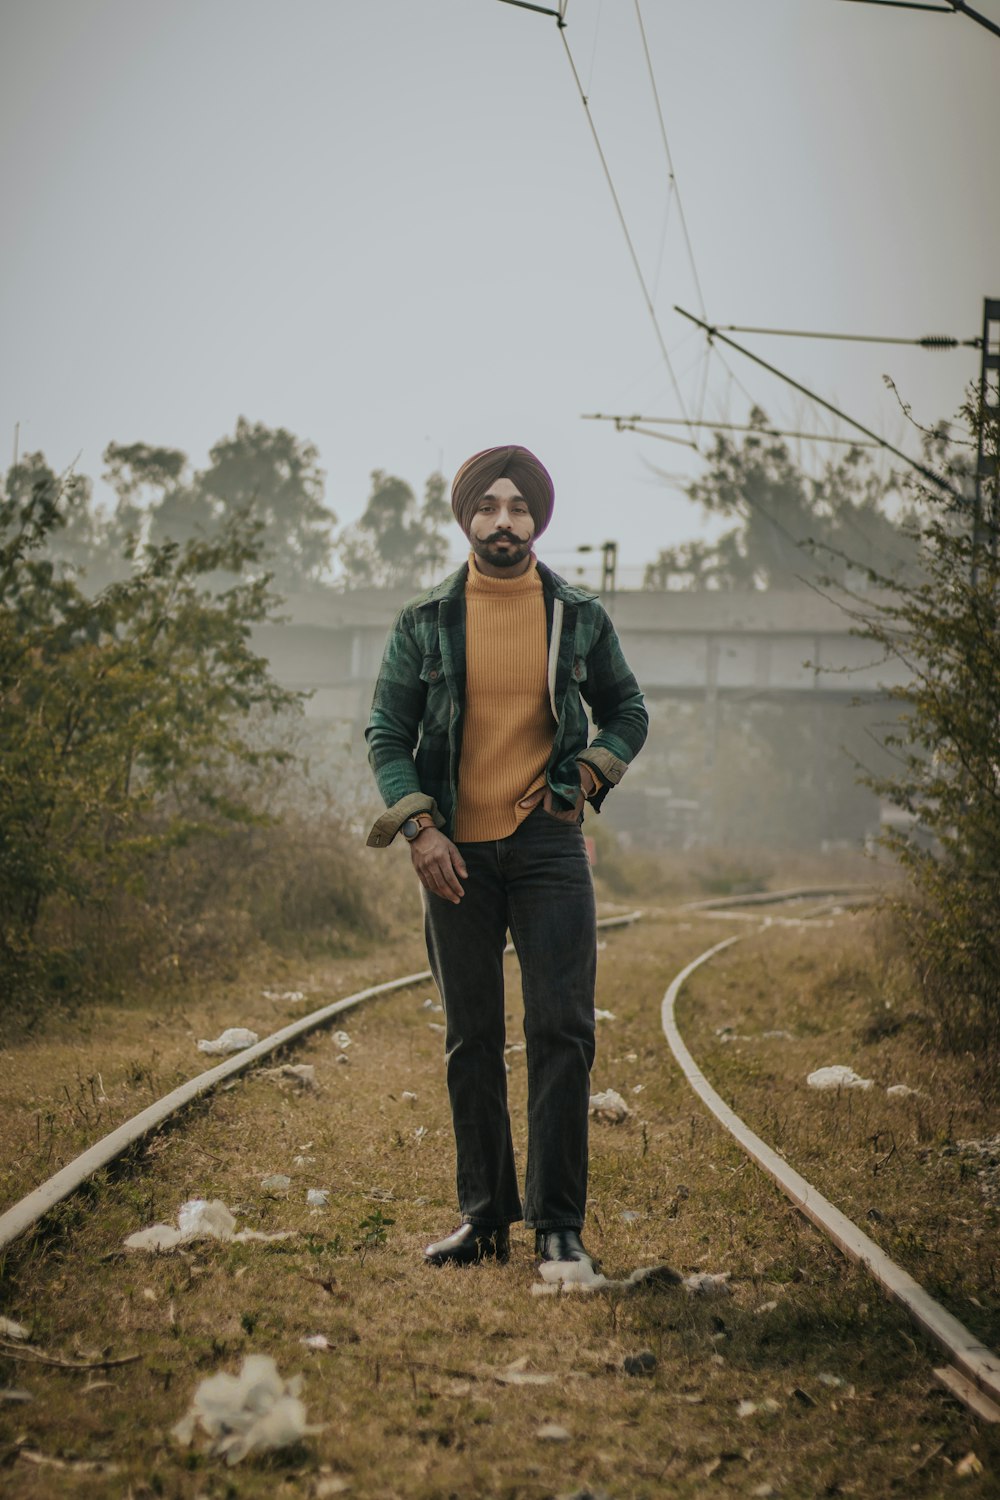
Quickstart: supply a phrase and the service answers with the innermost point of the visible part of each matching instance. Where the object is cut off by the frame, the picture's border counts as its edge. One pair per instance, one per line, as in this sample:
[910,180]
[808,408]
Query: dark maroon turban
[512,462]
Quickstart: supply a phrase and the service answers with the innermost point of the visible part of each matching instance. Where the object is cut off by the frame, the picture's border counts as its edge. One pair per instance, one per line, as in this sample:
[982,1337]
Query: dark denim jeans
[537,883]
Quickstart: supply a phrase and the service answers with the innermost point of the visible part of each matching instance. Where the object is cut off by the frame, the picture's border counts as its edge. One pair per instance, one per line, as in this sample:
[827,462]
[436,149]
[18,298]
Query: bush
[945,628]
[121,719]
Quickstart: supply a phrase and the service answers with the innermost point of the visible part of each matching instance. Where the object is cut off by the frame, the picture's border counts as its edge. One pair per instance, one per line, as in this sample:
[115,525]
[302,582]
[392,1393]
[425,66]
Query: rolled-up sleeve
[618,709]
[392,735]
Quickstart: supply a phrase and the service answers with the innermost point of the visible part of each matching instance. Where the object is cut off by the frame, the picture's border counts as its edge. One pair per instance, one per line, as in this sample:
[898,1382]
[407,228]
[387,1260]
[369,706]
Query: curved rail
[24,1214]
[973,1359]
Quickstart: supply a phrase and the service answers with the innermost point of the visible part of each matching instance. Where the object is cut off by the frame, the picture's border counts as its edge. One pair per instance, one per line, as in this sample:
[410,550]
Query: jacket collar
[552,584]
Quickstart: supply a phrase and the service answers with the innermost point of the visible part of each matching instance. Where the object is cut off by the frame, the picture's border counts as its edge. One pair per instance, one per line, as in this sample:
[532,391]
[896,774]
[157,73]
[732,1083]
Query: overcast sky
[384,225]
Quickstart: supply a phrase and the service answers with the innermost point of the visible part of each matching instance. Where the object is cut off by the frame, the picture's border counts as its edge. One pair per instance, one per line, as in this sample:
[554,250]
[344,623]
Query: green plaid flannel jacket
[414,733]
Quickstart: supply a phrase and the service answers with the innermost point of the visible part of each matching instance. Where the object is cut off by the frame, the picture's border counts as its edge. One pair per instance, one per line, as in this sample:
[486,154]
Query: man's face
[502,528]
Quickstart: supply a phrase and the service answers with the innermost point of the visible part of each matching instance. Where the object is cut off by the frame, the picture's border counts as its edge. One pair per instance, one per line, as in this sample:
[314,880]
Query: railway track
[973,1372]
[31,1209]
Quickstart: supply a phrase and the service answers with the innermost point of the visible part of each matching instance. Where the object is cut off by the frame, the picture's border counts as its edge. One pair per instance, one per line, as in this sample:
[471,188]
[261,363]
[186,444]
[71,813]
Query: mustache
[507,536]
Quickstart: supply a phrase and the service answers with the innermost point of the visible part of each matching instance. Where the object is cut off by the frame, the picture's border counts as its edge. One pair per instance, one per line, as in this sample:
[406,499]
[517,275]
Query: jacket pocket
[437,707]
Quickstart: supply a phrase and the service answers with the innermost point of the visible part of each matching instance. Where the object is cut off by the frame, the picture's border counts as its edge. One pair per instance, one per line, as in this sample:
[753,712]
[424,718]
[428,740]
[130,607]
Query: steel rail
[30,1209]
[772,898]
[974,1361]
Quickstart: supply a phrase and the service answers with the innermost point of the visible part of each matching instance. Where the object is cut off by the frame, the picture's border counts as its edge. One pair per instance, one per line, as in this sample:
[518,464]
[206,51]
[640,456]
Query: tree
[784,516]
[943,625]
[78,545]
[273,476]
[397,543]
[152,494]
[264,473]
[120,715]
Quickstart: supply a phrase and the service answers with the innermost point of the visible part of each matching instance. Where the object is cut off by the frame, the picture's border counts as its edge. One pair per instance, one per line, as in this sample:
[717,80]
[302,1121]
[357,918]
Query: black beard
[515,554]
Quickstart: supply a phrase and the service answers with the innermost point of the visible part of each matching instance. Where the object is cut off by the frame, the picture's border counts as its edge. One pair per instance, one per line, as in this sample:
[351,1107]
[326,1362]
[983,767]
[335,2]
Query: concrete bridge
[768,645]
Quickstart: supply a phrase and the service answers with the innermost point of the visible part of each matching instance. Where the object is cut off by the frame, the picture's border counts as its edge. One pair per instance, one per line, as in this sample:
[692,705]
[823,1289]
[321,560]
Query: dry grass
[904,1168]
[408,1393]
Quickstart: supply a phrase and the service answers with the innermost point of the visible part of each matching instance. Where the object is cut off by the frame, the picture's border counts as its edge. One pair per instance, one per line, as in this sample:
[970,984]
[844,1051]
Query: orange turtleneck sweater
[509,726]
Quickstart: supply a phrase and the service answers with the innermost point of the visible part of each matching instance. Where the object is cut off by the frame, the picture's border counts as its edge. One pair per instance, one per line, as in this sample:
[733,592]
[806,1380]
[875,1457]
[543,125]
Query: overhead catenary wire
[643,285]
[627,424]
[956,7]
[650,305]
[670,161]
[676,193]
[714,333]
[928,341]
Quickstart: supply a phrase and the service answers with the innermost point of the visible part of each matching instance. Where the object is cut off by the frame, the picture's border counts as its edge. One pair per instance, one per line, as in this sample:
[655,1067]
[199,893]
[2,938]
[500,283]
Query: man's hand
[438,865]
[544,796]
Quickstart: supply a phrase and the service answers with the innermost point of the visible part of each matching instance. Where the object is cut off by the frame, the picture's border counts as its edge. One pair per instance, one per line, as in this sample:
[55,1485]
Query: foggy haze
[385,228]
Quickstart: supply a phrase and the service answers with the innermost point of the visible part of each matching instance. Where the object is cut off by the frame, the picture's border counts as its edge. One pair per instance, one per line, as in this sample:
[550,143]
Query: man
[479,744]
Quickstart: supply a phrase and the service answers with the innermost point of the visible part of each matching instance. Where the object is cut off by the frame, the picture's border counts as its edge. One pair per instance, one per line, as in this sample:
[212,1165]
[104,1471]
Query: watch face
[410,828]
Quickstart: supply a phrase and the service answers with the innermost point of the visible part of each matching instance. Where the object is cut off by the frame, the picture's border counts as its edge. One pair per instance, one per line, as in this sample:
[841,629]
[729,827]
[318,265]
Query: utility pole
[609,566]
[989,414]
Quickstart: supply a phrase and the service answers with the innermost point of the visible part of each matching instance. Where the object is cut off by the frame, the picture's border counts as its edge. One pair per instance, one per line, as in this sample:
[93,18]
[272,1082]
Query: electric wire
[929,341]
[778,432]
[714,333]
[644,288]
[957,7]
[944,10]
[670,161]
[542,10]
[650,307]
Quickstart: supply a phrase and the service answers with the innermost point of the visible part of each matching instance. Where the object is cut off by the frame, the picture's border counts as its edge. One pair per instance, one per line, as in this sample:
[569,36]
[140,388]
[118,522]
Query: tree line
[783,518]
[266,475]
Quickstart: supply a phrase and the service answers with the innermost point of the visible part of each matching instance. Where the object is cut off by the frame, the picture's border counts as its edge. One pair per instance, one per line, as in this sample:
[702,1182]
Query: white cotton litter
[199,1219]
[342,1039]
[255,1411]
[156,1237]
[318,1197]
[409,1096]
[580,1276]
[571,1273]
[605,1015]
[837,1077]
[233,1039]
[202,1218]
[609,1106]
[11,1330]
[900,1091]
[708,1284]
[316,1341]
[292,997]
[277,1182]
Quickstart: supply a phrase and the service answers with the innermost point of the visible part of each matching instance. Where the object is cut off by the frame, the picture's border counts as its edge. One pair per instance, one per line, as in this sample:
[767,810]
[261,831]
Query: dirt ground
[800,1380]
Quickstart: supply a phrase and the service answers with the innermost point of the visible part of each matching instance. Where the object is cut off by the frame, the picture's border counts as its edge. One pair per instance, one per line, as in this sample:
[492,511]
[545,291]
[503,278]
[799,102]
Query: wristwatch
[415,826]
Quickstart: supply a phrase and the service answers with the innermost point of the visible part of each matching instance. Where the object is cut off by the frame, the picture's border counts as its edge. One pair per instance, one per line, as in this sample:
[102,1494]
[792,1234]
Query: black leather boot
[561,1244]
[469,1244]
